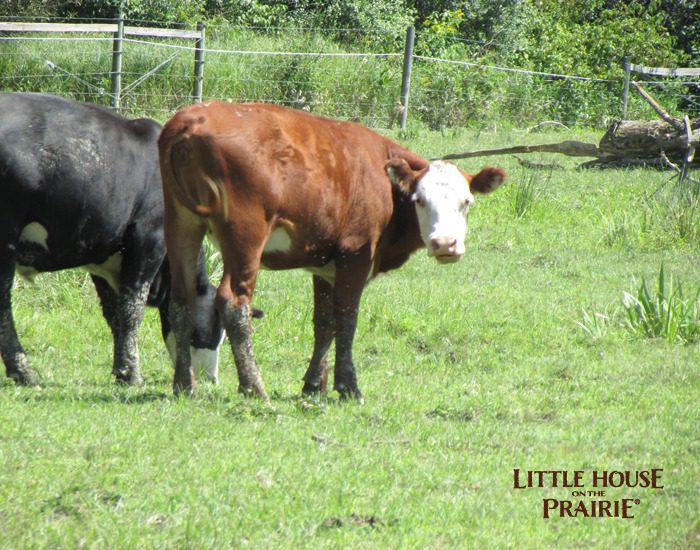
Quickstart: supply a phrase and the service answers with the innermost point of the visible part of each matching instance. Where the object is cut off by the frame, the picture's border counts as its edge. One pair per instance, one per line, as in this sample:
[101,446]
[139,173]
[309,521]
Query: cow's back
[80,172]
[290,165]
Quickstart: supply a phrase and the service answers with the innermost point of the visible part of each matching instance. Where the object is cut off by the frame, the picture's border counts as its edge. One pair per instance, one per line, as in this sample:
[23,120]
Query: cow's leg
[233,305]
[241,248]
[108,301]
[316,377]
[131,304]
[123,313]
[352,271]
[184,233]
[13,355]
[110,311]
[142,256]
[180,321]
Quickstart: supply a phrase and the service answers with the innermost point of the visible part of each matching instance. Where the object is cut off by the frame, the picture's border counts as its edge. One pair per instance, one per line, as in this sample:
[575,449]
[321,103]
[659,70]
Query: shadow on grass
[86,393]
[205,396]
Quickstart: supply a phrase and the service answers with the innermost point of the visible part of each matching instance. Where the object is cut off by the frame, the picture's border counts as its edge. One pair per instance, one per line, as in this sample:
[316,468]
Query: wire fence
[305,69]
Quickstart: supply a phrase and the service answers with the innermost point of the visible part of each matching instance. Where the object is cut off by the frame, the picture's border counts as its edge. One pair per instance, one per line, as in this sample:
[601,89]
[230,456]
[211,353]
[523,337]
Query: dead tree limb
[626,142]
[677,124]
[690,155]
[571,148]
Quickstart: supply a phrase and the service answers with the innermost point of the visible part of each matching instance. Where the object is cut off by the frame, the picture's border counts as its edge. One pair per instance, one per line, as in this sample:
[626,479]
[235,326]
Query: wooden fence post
[199,64]
[117,63]
[626,88]
[406,79]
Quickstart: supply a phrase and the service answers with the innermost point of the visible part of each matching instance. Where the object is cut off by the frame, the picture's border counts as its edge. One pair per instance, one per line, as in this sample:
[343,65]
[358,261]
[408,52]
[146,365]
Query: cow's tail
[184,159]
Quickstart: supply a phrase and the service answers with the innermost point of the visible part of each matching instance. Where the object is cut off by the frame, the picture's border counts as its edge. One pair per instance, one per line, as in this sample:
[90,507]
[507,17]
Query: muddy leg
[13,355]
[352,271]
[184,381]
[236,320]
[123,315]
[316,377]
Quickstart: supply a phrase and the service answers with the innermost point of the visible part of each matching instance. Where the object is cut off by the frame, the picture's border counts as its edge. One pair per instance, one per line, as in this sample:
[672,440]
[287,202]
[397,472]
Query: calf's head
[442,194]
[207,330]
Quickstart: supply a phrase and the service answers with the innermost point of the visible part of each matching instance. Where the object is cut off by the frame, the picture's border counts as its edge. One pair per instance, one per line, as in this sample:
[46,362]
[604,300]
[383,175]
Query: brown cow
[283,189]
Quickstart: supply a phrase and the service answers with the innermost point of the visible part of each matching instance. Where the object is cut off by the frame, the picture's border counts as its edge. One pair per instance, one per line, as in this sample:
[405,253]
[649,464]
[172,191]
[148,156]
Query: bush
[380,25]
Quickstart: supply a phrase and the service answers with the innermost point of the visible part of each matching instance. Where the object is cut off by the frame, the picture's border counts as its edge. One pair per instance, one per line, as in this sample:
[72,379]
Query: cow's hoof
[24,377]
[121,376]
[128,379]
[350,393]
[310,389]
[254,390]
[186,390]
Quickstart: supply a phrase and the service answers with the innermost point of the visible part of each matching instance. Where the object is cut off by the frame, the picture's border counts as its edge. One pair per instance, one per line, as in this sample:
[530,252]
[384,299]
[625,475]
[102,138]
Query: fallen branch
[626,142]
[689,143]
[677,124]
[571,148]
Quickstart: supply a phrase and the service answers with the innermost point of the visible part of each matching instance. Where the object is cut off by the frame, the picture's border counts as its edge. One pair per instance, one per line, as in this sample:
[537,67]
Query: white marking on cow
[205,361]
[278,241]
[35,233]
[326,272]
[442,200]
[109,270]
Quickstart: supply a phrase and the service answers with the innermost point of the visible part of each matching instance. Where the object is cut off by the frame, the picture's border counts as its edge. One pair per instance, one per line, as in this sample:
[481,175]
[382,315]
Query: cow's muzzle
[445,249]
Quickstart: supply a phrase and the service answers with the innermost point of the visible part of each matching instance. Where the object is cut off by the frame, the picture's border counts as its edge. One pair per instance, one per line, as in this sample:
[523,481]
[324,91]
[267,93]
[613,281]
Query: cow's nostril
[444,244]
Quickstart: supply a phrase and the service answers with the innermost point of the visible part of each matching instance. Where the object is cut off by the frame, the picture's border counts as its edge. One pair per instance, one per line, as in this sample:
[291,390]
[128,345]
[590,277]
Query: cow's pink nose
[443,245]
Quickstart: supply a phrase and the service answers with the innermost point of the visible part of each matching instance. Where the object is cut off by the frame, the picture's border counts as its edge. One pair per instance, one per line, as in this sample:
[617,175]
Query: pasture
[517,357]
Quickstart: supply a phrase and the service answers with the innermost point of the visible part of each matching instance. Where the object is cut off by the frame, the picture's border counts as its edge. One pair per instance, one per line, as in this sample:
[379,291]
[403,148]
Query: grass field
[517,357]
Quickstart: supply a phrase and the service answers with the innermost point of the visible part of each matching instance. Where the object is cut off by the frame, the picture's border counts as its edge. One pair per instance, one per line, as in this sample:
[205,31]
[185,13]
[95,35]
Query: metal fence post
[117,63]
[199,64]
[406,79]
[626,88]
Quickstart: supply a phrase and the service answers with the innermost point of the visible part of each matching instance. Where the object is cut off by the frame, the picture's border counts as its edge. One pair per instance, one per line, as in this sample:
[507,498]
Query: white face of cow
[205,362]
[442,199]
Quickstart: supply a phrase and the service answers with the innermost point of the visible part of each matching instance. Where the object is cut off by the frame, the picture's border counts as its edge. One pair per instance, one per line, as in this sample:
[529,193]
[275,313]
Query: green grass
[469,371]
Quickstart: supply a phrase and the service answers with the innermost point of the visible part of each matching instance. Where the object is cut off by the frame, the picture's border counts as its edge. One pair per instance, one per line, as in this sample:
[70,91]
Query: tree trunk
[645,139]
[670,141]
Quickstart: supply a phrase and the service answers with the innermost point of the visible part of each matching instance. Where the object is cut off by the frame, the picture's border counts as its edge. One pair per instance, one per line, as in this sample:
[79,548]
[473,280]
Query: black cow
[80,187]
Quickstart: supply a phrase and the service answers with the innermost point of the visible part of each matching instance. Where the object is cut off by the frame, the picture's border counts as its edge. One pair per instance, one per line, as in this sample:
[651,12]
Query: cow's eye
[420,201]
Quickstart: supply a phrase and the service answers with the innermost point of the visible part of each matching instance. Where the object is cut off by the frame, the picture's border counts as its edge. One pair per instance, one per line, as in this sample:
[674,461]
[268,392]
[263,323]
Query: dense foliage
[667,29]
[590,38]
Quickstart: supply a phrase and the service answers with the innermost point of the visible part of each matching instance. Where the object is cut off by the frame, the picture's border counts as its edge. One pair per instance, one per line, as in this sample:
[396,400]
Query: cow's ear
[403,175]
[487,180]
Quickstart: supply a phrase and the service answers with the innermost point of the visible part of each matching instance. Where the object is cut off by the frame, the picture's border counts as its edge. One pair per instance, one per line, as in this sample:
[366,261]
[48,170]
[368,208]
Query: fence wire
[306,70]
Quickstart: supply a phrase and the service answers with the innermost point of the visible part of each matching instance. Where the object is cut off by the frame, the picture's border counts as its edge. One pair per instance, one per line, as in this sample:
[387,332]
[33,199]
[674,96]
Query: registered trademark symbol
[636,501]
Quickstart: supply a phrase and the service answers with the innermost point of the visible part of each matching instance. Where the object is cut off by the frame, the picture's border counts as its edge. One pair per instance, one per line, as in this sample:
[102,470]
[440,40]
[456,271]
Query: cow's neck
[401,237]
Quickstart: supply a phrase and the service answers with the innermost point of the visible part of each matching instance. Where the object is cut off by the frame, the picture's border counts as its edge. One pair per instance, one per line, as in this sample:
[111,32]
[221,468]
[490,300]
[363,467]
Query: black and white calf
[80,187]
